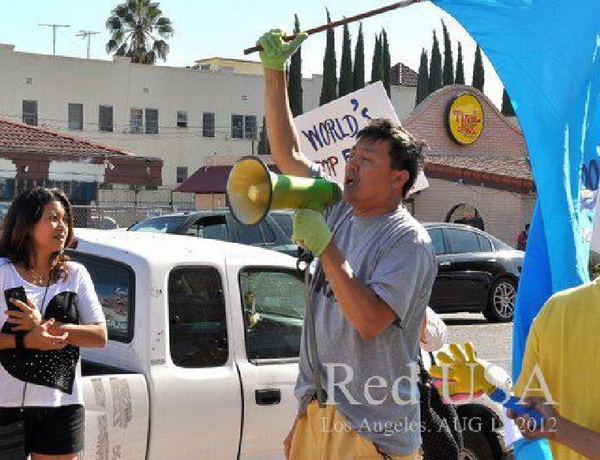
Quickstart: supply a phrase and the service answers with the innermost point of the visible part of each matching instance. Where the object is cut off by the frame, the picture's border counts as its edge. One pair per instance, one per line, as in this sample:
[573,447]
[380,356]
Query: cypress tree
[507,107]
[295,76]
[345,85]
[448,74]
[478,72]
[329,88]
[423,81]
[435,66]
[358,74]
[386,64]
[460,68]
[376,66]
[263,141]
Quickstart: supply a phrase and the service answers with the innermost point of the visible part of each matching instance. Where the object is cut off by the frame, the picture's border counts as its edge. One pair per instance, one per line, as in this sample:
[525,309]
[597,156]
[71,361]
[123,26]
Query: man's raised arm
[283,137]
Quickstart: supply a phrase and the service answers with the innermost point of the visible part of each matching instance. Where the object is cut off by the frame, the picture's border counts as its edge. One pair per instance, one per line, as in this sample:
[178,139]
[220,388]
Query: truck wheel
[476,447]
[501,301]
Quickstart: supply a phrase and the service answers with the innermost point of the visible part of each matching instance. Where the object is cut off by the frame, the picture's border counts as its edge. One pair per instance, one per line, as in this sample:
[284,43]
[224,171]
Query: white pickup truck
[202,354]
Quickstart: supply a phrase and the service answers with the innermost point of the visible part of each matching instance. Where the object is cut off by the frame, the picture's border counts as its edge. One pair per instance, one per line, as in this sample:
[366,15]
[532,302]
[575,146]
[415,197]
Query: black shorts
[49,430]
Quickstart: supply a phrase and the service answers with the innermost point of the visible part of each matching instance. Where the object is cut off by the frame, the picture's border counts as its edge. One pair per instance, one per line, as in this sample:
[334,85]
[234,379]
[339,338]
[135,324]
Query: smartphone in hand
[17,293]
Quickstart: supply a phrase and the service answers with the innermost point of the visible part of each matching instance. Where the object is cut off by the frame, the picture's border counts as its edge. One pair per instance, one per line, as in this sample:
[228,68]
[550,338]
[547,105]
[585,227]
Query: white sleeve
[435,331]
[88,305]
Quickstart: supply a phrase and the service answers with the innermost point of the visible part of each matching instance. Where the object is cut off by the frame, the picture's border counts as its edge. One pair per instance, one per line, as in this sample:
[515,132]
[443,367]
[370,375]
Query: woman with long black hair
[42,331]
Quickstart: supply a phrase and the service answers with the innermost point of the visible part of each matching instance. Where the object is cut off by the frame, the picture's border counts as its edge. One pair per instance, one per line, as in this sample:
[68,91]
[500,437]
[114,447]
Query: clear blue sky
[224,28]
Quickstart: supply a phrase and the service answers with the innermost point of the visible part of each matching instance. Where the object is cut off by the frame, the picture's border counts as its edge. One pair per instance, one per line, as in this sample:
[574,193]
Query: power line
[54,27]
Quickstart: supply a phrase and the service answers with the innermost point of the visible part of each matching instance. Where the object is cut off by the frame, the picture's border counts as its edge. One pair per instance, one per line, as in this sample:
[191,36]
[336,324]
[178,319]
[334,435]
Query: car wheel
[501,301]
[476,447]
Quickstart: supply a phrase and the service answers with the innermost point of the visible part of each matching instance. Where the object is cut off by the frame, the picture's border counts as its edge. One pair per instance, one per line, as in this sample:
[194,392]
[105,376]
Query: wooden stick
[341,22]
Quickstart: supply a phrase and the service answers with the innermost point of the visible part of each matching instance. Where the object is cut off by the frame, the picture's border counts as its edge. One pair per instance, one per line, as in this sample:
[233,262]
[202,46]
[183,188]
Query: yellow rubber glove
[311,231]
[275,51]
[465,373]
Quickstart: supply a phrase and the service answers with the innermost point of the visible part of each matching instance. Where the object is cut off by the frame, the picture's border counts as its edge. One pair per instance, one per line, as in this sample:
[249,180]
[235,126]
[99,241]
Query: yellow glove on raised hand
[276,51]
[465,372]
[311,231]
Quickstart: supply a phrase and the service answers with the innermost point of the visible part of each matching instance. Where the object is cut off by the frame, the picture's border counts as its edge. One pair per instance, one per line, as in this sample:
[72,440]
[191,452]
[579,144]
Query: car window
[268,234]
[437,238]
[197,325]
[114,283]
[250,234]
[170,224]
[462,240]
[212,227]
[485,244]
[273,303]
[284,220]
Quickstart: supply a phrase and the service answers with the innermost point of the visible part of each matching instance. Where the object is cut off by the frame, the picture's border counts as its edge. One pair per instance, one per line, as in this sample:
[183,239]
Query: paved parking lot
[493,341]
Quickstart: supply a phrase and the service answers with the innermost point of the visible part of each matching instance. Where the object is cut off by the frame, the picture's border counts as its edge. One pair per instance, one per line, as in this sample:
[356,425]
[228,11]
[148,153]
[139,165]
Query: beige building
[184,116]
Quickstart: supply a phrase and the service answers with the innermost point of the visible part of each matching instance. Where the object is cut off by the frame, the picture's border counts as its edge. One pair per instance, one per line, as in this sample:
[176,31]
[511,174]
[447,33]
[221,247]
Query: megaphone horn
[252,190]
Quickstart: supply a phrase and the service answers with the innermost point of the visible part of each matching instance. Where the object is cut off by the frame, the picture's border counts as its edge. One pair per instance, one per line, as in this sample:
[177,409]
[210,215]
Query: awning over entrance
[211,179]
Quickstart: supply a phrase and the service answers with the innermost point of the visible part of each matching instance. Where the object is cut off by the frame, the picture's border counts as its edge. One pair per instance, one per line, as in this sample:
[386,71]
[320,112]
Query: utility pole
[54,27]
[87,33]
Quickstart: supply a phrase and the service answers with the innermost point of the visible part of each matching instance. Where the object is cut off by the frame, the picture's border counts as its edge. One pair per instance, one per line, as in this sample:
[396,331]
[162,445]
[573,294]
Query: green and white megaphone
[252,190]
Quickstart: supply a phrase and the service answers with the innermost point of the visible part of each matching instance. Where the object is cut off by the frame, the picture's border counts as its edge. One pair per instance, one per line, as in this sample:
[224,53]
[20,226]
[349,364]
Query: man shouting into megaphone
[369,291]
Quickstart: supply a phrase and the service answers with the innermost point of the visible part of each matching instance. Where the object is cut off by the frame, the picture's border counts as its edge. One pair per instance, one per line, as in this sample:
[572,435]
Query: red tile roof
[403,75]
[506,173]
[19,137]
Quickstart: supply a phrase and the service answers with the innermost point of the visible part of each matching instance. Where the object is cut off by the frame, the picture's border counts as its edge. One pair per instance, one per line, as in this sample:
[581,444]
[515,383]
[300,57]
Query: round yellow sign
[465,119]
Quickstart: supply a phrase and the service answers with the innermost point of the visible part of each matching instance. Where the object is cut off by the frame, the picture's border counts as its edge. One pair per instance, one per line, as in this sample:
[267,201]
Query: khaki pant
[324,434]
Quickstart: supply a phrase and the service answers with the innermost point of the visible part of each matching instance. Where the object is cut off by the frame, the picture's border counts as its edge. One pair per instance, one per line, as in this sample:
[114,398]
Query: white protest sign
[327,133]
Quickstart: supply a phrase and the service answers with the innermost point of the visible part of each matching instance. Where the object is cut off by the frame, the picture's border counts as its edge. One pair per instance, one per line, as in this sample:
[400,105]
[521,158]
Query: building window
[182,173]
[136,121]
[105,118]
[182,119]
[237,126]
[208,124]
[30,113]
[243,127]
[76,117]
[151,121]
[205,67]
[250,127]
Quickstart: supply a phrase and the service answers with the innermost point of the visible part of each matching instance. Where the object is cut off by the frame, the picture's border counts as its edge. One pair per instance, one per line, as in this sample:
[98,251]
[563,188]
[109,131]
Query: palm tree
[133,26]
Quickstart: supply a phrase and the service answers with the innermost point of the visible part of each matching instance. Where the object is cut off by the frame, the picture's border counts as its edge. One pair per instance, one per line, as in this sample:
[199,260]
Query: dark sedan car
[272,233]
[476,272]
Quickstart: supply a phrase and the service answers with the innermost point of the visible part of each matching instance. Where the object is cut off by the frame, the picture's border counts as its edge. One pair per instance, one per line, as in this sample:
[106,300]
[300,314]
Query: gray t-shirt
[391,254]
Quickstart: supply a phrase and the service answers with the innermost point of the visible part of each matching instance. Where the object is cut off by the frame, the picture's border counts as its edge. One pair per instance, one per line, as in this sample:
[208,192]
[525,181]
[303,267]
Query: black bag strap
[25,386]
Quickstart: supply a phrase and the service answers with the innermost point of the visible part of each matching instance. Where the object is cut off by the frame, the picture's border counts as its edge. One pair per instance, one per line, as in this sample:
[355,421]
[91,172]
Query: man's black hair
[405,151]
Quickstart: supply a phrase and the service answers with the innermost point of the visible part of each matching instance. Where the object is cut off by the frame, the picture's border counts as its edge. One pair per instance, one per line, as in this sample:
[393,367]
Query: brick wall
[500,136]
[504,213]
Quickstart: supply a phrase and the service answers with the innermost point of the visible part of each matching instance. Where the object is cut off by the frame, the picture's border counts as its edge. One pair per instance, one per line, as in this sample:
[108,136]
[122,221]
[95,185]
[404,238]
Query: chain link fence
[121,216]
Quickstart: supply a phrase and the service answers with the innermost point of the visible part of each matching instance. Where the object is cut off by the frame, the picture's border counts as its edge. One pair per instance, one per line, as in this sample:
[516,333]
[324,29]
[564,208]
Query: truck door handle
[267,396]
[444,264]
